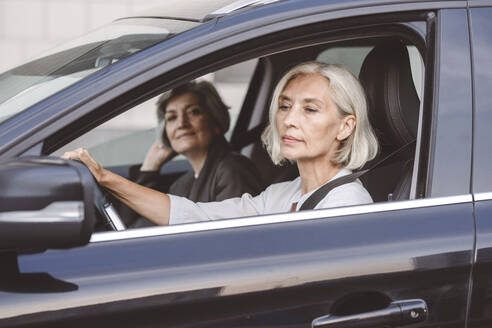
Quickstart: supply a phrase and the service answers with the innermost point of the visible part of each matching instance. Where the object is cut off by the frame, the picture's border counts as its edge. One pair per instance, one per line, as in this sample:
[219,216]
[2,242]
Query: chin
[180,148]
[289,156]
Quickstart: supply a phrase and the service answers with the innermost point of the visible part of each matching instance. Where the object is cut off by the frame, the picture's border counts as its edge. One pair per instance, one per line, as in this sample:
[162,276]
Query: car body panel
[321,261]
[200,11]
[451,173]
[481,301]
[481,27]
[479,3]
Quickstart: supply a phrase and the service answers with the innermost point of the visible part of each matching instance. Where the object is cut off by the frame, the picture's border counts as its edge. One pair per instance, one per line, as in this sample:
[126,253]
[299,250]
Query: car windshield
[43,76]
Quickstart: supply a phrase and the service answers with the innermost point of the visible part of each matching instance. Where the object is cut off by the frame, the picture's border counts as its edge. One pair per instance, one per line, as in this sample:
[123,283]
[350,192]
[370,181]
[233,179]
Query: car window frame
[199,68]
[287,217]
[279,218]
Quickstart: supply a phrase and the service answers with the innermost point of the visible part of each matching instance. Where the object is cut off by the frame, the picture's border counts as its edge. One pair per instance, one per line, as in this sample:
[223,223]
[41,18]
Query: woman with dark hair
[192,120]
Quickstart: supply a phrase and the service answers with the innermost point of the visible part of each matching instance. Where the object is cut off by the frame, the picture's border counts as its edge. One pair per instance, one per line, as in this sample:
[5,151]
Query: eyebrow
[305,100]
[313,100]
[170,110]
[282,97]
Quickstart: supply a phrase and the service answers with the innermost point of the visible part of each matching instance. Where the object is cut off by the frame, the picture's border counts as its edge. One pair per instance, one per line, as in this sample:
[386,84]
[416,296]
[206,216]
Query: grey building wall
[29,27]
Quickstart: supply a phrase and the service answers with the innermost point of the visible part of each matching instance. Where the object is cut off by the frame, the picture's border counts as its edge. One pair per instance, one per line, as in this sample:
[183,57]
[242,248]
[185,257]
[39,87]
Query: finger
[68,155]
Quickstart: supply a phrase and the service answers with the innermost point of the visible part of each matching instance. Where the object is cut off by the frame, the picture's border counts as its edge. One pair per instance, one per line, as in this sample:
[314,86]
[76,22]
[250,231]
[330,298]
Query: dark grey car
[420,255]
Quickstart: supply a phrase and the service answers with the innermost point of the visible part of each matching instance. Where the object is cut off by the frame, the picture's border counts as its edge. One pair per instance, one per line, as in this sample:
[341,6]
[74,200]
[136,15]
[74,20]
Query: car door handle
[398,313]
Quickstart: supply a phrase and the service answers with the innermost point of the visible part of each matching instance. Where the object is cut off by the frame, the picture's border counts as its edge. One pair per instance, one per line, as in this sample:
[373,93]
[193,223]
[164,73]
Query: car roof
[200,10]
[204,10]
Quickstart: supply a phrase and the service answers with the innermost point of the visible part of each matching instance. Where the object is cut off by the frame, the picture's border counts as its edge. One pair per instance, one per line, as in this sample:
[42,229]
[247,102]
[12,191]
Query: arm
[147,202]
[274,199]
[184,210]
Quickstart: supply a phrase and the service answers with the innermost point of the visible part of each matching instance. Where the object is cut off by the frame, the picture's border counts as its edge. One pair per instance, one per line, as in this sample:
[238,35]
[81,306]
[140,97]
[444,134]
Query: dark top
[225,174]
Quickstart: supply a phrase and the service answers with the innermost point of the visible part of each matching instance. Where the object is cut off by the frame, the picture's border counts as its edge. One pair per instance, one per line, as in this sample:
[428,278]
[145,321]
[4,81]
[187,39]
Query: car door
[288,269]
[480,314]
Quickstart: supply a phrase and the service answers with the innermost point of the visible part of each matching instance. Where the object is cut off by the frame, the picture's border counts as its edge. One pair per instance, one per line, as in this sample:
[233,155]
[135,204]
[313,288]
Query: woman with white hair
[318,118]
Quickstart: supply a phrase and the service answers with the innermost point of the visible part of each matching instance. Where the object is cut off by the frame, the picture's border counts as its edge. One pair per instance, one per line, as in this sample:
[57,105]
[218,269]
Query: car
[420,255]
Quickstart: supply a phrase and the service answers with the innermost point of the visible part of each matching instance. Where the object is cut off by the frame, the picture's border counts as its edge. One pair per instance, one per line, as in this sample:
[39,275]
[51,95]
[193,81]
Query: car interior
[390,69]
[393,105]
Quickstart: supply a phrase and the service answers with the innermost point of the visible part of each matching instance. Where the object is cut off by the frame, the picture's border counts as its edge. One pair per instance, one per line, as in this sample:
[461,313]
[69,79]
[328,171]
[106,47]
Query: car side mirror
[45,202]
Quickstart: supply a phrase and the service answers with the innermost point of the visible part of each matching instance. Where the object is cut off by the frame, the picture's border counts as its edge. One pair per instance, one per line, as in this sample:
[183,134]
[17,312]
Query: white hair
[348,94]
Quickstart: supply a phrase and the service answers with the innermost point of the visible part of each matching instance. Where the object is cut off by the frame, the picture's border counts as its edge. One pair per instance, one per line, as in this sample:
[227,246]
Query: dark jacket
[225,174]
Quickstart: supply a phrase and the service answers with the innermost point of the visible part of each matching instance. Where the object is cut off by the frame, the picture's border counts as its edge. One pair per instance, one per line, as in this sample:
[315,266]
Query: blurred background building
[29,27]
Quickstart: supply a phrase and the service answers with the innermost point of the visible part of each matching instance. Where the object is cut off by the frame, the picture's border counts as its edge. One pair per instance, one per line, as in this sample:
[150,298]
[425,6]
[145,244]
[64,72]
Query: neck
[315,173]
[197,160]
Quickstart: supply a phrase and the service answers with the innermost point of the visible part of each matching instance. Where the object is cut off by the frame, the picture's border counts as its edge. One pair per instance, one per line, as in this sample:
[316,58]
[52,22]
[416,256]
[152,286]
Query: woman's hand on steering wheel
[83,155]
[101,201]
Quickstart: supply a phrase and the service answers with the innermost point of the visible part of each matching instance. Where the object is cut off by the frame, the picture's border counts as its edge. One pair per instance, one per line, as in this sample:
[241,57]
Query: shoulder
[286,185]
[278,197]
[234,160]
[288,189]
[352,193]
[182,184]
[235,175]
[187,176]
[238,167]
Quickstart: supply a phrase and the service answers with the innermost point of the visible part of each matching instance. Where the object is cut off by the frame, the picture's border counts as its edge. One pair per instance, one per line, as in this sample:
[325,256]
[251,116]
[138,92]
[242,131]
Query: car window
[125,139]
[352,58]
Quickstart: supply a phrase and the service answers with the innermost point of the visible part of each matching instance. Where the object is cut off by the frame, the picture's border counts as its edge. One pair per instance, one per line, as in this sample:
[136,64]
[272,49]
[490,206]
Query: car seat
[393,106]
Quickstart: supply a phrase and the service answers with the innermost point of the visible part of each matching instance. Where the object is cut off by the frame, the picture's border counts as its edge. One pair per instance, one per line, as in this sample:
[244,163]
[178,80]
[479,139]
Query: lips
[186,134]
[290,139]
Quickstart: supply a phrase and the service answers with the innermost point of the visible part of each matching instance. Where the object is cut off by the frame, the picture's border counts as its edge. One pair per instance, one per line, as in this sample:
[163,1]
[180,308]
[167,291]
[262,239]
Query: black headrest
[392,99]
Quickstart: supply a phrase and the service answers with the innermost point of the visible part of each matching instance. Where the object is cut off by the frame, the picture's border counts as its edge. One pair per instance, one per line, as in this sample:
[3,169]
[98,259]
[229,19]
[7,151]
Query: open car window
[123,141]
[353,57]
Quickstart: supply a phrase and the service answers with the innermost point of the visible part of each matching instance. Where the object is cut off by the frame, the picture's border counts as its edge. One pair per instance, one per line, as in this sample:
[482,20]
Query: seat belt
[319,194]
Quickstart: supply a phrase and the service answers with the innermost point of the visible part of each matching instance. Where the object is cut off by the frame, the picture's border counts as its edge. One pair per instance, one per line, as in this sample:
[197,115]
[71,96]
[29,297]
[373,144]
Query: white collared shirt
[277,198]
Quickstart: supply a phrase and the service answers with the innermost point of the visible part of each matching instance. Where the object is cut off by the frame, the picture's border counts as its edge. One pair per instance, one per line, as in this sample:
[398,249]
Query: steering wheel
[107,209]
[100,201]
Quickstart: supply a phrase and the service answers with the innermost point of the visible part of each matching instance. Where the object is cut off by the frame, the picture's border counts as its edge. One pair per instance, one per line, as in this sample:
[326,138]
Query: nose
[291,117]
[183,120]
